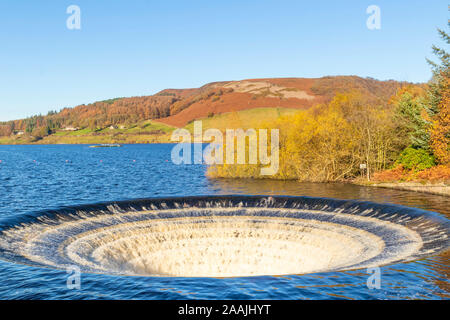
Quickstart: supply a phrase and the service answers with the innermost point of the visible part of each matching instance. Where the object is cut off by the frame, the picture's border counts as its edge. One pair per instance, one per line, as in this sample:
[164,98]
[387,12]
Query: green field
[245,119]
[149,131]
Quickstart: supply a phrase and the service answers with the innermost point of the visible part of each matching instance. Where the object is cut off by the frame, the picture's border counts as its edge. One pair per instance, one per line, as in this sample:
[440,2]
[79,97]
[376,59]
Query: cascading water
[224,236]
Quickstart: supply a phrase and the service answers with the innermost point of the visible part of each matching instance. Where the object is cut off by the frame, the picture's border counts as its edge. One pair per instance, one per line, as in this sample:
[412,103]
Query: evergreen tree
[441,72]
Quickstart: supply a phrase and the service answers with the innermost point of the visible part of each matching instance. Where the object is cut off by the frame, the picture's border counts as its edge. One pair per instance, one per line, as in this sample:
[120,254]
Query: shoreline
[87,141]
[438,188]
[83,144]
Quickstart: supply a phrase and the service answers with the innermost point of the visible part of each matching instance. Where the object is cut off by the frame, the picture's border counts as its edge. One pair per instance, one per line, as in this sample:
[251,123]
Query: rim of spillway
[223,236]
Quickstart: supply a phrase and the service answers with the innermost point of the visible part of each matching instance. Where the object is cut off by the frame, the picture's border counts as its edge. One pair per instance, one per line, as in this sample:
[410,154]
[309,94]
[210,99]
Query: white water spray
[224,237]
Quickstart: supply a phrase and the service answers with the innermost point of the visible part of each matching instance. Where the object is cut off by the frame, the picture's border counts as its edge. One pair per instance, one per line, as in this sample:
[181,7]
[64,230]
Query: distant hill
[178,107]
[297,93]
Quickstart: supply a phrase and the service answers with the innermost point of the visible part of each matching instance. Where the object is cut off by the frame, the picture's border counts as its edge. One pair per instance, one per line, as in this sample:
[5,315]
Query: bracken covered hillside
[178,107]
[297,93]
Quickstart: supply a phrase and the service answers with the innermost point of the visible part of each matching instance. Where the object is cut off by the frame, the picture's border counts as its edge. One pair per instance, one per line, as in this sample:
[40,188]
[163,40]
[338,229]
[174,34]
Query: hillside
[178,107]
[296,93]
[149,131]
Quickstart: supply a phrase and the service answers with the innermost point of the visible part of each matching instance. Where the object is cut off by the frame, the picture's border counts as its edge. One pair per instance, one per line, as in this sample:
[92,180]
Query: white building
[70,129]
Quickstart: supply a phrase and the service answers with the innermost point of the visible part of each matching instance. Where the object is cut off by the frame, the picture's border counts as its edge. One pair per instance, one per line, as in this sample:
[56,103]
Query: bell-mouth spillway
[223,236]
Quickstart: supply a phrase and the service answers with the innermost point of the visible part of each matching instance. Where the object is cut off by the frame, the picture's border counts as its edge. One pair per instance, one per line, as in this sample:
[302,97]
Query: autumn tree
[440,128]
[439,101]
[373,127]
[329,142]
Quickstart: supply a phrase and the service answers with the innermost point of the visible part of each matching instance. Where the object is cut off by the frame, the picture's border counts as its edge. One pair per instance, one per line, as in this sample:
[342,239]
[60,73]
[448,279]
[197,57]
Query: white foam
[212,242]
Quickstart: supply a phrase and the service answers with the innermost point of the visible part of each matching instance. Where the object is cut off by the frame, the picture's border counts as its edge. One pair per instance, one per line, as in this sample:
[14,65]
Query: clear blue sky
[130,48]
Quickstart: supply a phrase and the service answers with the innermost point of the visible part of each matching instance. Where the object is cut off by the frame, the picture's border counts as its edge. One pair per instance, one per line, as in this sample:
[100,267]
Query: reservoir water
[40,178]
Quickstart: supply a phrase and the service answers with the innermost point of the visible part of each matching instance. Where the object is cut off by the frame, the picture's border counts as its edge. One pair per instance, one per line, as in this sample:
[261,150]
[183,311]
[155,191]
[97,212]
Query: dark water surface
[34,178]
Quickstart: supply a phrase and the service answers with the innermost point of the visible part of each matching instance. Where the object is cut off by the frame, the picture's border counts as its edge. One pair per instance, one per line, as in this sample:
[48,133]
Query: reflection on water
[440,265]
[429,202]
[435,269]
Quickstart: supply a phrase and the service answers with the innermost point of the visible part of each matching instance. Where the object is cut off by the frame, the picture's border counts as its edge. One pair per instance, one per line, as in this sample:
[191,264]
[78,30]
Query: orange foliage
[438,173]
[415,91]
[440,129]
[373,90]
[395,174]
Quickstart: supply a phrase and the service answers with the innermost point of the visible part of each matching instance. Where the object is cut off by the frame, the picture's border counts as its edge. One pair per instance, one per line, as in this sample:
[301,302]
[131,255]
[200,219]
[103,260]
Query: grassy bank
[245,119]
[152,131]
[143,132]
